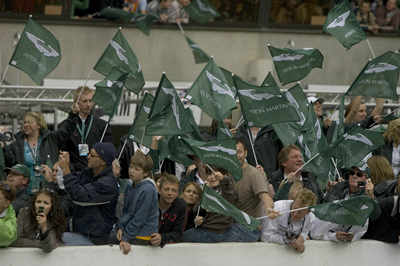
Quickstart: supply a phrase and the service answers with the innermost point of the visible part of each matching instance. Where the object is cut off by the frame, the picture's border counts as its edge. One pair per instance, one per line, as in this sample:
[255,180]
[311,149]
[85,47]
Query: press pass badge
[83,149]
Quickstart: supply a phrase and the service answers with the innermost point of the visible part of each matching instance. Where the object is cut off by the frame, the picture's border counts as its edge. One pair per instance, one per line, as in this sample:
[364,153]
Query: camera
[361,184]
[38,169]
[41,209]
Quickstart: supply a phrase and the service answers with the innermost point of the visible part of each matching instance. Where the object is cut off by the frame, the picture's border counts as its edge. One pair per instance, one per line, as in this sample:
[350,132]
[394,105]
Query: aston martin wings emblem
[319,131]
[307,152]
[358,137]
[146,109]
[218,86]
[287,57]
[206,8]
[340,21]
[120,52]
[215,200]
[381,67]
[174,105]
[219,148]
[226,132]
[118,83]
[252,93]
[44,48]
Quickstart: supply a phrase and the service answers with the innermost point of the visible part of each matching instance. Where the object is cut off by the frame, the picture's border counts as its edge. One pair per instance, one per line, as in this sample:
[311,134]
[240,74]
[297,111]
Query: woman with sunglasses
[8,221]
[42,223]
[35,144]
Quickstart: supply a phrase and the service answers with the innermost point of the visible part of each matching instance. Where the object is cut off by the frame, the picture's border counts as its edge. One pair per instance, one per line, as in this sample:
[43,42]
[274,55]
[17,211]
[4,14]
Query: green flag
[37,53]
[293,65]
[269,81]
[117,13]
[288,132]
[119,54]
[229,78]
[144,21]
[138,128]
[199,55]
[195,134]
[178,151]
[342,24]
[221,153]
[263,106]
[391,117]
[109,91]
[167,116]
[379,78]
[381,129]
[212,201]
[352,211]
[211,92]
[353,146]
[223,132]
[49,163]
[339,127]
[201,11]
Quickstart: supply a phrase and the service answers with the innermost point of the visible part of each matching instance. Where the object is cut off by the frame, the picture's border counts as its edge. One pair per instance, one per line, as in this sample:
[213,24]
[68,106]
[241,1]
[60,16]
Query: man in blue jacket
[95,194]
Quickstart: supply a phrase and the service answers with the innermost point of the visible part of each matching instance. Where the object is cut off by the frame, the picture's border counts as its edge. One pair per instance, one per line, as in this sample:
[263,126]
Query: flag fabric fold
[119,54]
[379,77]
[220,153]
[167,116]
[212,201]
[201,11]
[352,211]
[263,106]
[199,55]
[342,24]
[269,81]
[37,53]
[109,91]
[138,128]
[211,92]
[294,65]
[118,13]
[144,22]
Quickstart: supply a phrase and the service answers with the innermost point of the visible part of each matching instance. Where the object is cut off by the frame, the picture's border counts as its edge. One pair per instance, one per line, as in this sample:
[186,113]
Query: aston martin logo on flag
[206,8]
[120,52]
[252,93]
[340,21]
[118,83]
[358,137]
[380,67]
[287,57]
[47,50]
[218,86]
[219,148]
[174,107]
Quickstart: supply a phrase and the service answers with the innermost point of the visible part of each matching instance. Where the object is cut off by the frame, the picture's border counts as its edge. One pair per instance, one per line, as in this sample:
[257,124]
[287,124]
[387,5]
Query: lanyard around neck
[82,130]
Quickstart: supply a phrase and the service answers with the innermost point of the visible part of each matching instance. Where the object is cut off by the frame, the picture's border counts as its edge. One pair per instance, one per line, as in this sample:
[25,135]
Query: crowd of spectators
[63,187]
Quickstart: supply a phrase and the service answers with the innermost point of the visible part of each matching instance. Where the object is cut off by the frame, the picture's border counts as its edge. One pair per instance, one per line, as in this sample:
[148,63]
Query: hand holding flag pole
[239,123]
[312,158]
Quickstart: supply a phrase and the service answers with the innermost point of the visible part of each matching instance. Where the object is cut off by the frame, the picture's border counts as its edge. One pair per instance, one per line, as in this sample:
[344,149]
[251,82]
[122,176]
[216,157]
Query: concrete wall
[361,253]
[167,50]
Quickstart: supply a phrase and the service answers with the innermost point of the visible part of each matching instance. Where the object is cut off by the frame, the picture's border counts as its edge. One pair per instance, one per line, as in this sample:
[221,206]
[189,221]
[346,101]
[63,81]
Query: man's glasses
[351,172]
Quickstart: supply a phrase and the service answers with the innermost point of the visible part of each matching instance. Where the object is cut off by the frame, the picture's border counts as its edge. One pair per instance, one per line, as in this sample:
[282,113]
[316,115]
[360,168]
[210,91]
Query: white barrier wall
[321,253]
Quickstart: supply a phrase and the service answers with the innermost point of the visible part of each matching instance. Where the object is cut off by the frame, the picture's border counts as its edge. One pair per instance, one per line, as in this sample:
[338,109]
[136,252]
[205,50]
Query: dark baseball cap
[21,169]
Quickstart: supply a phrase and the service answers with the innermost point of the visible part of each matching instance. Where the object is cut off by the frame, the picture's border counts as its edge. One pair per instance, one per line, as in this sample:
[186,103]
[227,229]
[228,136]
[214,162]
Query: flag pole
[252,146]
[141,141]
[239,123]
[334,110]
[160,165]
[370,48]
[198,209]
[4,75]
[123,146]
[180,27]
[386,115]
[84,85]
[104,132]
[285,212]
[315,156]
[212,170]
[336,170]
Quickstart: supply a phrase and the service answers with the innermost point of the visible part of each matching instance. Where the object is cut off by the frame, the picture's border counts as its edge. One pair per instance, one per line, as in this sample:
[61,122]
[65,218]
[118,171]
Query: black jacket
[172,223]
[126,156]
[8,156]
[96,131]
[94,221]
[21,200]
[386,151]
[387,227]
[51,141]
[309,181]
[266,146]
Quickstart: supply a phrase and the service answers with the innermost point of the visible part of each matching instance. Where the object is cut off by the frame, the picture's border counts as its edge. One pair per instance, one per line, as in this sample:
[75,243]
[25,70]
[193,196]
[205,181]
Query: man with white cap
[95,193]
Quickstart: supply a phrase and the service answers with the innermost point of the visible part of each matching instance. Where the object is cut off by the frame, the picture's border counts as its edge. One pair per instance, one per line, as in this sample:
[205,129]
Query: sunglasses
[351,172]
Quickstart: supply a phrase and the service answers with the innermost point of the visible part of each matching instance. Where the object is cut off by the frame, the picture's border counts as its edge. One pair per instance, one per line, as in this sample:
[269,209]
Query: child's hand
[155,239]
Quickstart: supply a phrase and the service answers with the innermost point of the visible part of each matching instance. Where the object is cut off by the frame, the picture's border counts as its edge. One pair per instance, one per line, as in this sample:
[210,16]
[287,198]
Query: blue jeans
[201,236]
[237,233]
[76,239]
